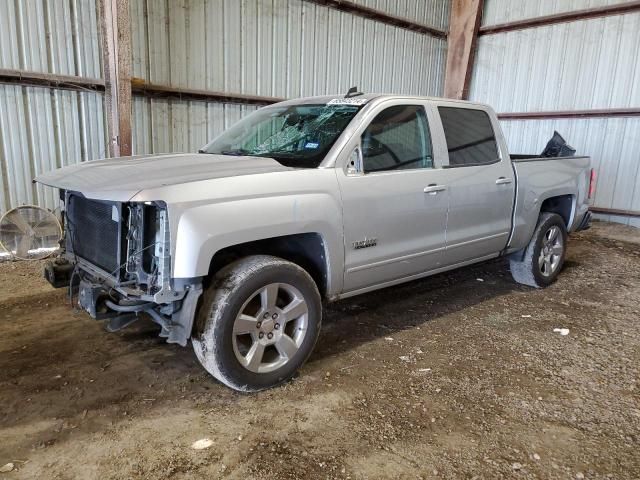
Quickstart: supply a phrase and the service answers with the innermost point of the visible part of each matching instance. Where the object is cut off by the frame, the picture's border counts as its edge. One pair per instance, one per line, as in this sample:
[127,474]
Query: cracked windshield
[296,136]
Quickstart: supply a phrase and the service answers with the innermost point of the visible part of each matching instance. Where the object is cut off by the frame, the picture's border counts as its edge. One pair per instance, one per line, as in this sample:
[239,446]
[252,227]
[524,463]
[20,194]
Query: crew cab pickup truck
[304,201]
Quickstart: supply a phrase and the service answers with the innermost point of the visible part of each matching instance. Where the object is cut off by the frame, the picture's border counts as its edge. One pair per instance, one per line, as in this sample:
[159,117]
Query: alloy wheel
[270,327]
[551,251]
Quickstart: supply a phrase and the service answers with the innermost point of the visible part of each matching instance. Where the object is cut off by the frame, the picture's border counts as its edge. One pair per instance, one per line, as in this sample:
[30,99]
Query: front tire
[545,254]
[258,323]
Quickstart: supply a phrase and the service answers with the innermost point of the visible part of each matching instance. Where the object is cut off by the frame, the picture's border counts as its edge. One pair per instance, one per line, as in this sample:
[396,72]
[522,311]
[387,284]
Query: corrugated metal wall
[612,143]
[279,48]
[42,128]
[587,64]
[501,11]
[433,13]
[569,66]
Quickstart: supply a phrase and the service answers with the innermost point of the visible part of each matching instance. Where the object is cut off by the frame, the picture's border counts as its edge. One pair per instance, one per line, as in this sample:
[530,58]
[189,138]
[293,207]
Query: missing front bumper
[104,302]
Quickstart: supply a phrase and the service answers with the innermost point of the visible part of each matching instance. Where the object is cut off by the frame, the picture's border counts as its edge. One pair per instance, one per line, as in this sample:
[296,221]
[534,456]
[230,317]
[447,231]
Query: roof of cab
[369,96]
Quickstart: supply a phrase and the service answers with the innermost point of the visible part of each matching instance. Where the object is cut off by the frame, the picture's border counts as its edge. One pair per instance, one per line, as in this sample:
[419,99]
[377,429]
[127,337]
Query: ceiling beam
[463,32]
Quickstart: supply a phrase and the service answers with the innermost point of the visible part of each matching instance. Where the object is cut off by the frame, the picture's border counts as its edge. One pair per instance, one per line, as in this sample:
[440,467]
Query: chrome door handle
[433,189]
[503,181]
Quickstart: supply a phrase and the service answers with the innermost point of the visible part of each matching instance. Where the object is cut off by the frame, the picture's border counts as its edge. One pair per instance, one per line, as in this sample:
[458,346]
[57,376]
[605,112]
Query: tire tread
[522,271]
[217,297]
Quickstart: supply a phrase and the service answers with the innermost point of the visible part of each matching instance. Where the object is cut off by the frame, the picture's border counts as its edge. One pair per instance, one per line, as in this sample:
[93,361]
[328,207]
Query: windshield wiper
[234,152]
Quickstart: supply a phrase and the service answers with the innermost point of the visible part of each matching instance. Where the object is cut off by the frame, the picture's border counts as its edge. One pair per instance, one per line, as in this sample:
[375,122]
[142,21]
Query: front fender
[205,229]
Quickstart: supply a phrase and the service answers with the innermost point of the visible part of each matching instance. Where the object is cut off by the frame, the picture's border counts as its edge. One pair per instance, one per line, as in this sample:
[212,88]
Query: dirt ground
[457,376]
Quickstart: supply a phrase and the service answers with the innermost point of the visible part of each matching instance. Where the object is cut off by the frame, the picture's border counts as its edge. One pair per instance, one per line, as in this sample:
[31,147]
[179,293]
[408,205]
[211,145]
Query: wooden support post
[116,54]
[124,76]
[463,32]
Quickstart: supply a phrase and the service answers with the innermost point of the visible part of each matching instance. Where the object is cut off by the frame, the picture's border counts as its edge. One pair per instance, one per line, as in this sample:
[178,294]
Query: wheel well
[562,205]
[305,250]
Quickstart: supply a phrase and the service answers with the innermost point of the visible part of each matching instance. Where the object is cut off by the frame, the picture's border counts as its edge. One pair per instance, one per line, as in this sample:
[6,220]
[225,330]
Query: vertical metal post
[116,56]
[463,33]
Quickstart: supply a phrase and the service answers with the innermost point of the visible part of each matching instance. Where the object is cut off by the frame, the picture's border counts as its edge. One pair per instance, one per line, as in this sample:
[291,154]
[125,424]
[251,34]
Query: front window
[294,135]
[397,139]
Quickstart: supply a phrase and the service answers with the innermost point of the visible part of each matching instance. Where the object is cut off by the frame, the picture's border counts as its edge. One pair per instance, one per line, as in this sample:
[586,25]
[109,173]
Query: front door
[395,207]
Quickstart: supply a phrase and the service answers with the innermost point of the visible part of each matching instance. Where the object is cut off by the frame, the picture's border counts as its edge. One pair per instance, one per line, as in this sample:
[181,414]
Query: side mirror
[354,165]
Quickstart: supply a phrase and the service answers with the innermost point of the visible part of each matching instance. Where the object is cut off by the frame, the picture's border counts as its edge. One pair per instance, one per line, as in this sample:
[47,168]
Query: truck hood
[122,178]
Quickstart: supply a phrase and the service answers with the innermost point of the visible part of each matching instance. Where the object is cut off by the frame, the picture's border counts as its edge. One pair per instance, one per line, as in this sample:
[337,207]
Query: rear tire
[545,254]
[258,323]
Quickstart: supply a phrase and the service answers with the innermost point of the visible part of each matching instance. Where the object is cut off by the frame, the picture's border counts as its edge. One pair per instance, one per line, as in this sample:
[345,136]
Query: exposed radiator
[94,232]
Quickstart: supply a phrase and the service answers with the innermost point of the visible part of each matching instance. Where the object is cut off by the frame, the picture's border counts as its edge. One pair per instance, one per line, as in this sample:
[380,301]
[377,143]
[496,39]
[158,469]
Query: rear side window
[470,137]
[397,139]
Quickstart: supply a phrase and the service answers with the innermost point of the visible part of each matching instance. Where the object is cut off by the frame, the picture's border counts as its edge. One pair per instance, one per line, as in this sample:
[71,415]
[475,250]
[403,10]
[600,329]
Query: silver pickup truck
[307,200]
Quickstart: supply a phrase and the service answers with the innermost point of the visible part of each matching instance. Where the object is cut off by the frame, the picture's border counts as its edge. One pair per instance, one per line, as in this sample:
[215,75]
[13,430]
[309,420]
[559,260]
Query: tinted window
[470,137]
[396,139]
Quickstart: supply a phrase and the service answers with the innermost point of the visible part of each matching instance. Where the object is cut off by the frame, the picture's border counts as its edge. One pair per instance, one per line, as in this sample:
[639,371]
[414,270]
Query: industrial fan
[29,232]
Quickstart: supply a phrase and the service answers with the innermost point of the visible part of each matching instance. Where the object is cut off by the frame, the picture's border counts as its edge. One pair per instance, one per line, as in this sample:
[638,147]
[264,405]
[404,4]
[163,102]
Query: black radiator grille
[92,234]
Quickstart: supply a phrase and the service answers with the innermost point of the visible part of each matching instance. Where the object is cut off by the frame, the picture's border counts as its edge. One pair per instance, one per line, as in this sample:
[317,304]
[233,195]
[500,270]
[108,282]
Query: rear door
[395,210]
[480,181]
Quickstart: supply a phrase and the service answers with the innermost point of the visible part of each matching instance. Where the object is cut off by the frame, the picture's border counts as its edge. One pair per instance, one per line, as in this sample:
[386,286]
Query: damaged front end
[116,262]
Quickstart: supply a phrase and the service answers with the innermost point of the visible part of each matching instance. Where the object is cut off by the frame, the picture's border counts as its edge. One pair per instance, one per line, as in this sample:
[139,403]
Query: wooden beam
[138,87]
[594,113]
[463,32]
[142,88]
[39,79]
[615,211]
[116,54]
[585,14]
[107,19]
[124,76]
[379,16]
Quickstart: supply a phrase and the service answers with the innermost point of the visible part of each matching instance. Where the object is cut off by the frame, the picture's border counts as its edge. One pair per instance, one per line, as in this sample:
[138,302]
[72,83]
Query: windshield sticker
[311,145]
[347,101]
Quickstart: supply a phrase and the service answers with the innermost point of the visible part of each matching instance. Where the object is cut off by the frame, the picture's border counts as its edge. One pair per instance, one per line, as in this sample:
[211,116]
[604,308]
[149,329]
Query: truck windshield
[296,136]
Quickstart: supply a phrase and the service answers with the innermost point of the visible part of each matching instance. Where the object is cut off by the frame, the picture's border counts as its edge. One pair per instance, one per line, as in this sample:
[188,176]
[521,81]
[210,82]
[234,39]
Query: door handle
[503,181]
[433,189]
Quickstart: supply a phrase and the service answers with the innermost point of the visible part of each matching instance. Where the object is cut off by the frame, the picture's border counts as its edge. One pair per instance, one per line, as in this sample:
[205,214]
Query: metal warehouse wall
[579,65]
[279,48]
[43,128]
[500,11]
[434,13]
[275,48]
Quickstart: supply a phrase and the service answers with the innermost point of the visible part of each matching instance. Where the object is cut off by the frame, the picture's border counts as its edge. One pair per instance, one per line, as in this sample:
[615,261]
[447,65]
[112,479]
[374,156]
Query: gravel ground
[457,376]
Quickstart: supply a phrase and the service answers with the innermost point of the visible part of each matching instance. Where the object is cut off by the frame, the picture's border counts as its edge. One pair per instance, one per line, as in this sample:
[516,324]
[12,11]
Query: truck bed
[539,178]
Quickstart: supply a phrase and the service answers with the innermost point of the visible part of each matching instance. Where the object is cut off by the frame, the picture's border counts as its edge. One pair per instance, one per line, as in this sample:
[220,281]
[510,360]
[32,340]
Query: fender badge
[367,242]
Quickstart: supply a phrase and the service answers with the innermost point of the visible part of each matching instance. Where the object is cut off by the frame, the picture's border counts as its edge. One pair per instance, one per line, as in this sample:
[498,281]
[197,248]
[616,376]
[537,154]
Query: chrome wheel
[551,251]
[270,327]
